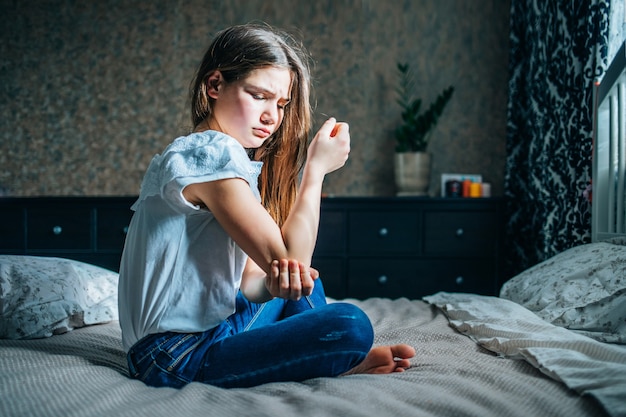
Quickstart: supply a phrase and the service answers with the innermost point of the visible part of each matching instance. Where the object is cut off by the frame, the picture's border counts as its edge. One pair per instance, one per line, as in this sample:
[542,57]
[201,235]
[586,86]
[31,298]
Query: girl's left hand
[330,147]
[290,279]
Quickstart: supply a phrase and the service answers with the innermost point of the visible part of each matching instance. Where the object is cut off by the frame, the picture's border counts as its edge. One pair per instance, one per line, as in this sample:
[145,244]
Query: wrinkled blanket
[508,329]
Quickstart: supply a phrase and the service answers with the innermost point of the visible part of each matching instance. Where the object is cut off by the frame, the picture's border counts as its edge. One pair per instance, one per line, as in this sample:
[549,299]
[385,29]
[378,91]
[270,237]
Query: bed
[551,344]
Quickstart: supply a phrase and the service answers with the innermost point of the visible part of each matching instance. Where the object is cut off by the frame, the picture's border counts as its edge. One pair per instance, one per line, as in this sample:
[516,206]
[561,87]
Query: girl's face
[252,109]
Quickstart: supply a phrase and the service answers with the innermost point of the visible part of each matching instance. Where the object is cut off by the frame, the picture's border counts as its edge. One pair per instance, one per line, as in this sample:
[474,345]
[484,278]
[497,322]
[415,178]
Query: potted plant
[412,160]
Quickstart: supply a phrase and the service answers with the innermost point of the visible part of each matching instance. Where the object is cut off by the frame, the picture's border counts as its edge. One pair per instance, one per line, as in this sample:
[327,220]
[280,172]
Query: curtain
[557,50]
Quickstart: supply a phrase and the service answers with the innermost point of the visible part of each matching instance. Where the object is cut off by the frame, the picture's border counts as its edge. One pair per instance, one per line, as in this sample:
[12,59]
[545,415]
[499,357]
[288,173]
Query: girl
[215,283]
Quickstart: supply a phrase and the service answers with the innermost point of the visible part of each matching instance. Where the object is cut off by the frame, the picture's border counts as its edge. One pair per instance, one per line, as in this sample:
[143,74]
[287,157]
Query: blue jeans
[279,340]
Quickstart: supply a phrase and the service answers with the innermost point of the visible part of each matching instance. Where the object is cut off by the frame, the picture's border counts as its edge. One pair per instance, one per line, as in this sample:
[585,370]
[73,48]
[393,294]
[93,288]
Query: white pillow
[582,289]
[42,296]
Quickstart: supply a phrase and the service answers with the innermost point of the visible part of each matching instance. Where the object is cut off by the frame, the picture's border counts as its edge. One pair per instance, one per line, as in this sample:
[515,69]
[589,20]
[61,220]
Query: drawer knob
[57,230]
[383,232]
[382,279]
[459,280]
[459,232]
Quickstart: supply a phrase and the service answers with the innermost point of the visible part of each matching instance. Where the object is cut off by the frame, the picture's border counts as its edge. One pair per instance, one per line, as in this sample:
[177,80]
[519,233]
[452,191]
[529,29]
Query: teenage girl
[215,279]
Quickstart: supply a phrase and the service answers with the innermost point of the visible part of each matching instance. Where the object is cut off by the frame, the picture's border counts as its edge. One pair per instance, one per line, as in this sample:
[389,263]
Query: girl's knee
[350,311]
[352,323]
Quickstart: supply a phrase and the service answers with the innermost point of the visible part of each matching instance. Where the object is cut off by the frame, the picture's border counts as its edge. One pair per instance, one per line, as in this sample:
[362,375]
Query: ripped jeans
[276,341]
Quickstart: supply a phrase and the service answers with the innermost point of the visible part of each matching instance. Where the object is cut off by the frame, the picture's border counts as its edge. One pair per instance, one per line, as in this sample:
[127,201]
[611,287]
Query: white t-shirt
[180,270]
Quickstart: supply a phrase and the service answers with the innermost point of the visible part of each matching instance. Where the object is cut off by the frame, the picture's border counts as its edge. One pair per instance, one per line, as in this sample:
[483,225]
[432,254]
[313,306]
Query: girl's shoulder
[207,139]
[207,153]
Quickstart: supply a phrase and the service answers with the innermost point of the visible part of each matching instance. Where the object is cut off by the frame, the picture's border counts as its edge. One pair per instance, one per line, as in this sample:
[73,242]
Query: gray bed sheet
[83,373]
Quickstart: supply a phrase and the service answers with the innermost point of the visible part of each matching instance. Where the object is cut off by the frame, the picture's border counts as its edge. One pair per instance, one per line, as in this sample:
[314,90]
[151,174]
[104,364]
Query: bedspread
[83,373]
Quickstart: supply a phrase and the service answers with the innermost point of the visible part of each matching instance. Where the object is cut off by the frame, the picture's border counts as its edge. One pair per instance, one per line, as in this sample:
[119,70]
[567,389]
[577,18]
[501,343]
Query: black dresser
[88,229]
[409,247]
[367,246]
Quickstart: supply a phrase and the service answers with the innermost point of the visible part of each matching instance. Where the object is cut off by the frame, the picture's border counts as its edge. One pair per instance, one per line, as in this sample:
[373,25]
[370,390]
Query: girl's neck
[206,125]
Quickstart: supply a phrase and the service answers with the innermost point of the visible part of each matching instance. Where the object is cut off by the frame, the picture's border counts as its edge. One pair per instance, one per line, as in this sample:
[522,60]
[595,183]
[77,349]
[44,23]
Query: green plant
[413,134]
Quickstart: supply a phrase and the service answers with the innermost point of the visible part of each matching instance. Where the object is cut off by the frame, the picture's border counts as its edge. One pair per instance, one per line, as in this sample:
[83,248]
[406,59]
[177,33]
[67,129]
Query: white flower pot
[412,173]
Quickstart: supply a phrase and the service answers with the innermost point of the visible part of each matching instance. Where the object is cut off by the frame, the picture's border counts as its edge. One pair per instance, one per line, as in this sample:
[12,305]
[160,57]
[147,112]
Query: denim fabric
[275,341]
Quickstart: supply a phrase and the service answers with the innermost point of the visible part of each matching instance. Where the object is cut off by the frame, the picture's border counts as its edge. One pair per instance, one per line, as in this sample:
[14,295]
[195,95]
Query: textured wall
[90,91]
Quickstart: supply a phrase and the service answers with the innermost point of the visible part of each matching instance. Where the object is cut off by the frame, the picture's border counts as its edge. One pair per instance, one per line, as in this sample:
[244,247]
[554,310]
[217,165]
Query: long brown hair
[237,51]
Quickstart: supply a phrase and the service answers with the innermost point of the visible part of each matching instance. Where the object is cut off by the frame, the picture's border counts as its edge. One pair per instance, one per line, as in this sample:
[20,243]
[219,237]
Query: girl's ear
[213,83]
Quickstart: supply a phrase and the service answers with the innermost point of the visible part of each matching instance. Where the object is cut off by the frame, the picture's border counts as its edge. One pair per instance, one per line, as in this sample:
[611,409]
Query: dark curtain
[558,49]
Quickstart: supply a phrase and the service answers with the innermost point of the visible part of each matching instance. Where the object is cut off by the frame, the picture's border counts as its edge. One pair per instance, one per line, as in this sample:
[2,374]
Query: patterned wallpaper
[90,91]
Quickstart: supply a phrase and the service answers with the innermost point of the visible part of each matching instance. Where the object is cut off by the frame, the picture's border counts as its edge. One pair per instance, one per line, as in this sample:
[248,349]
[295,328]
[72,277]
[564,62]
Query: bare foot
[385,360]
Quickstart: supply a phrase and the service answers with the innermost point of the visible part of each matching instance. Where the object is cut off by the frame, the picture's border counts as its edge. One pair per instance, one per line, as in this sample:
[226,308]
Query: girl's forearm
[300,228]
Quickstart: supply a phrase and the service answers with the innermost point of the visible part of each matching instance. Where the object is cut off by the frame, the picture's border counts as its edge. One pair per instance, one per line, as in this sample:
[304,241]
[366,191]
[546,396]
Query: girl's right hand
[290,279]
[330,147]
